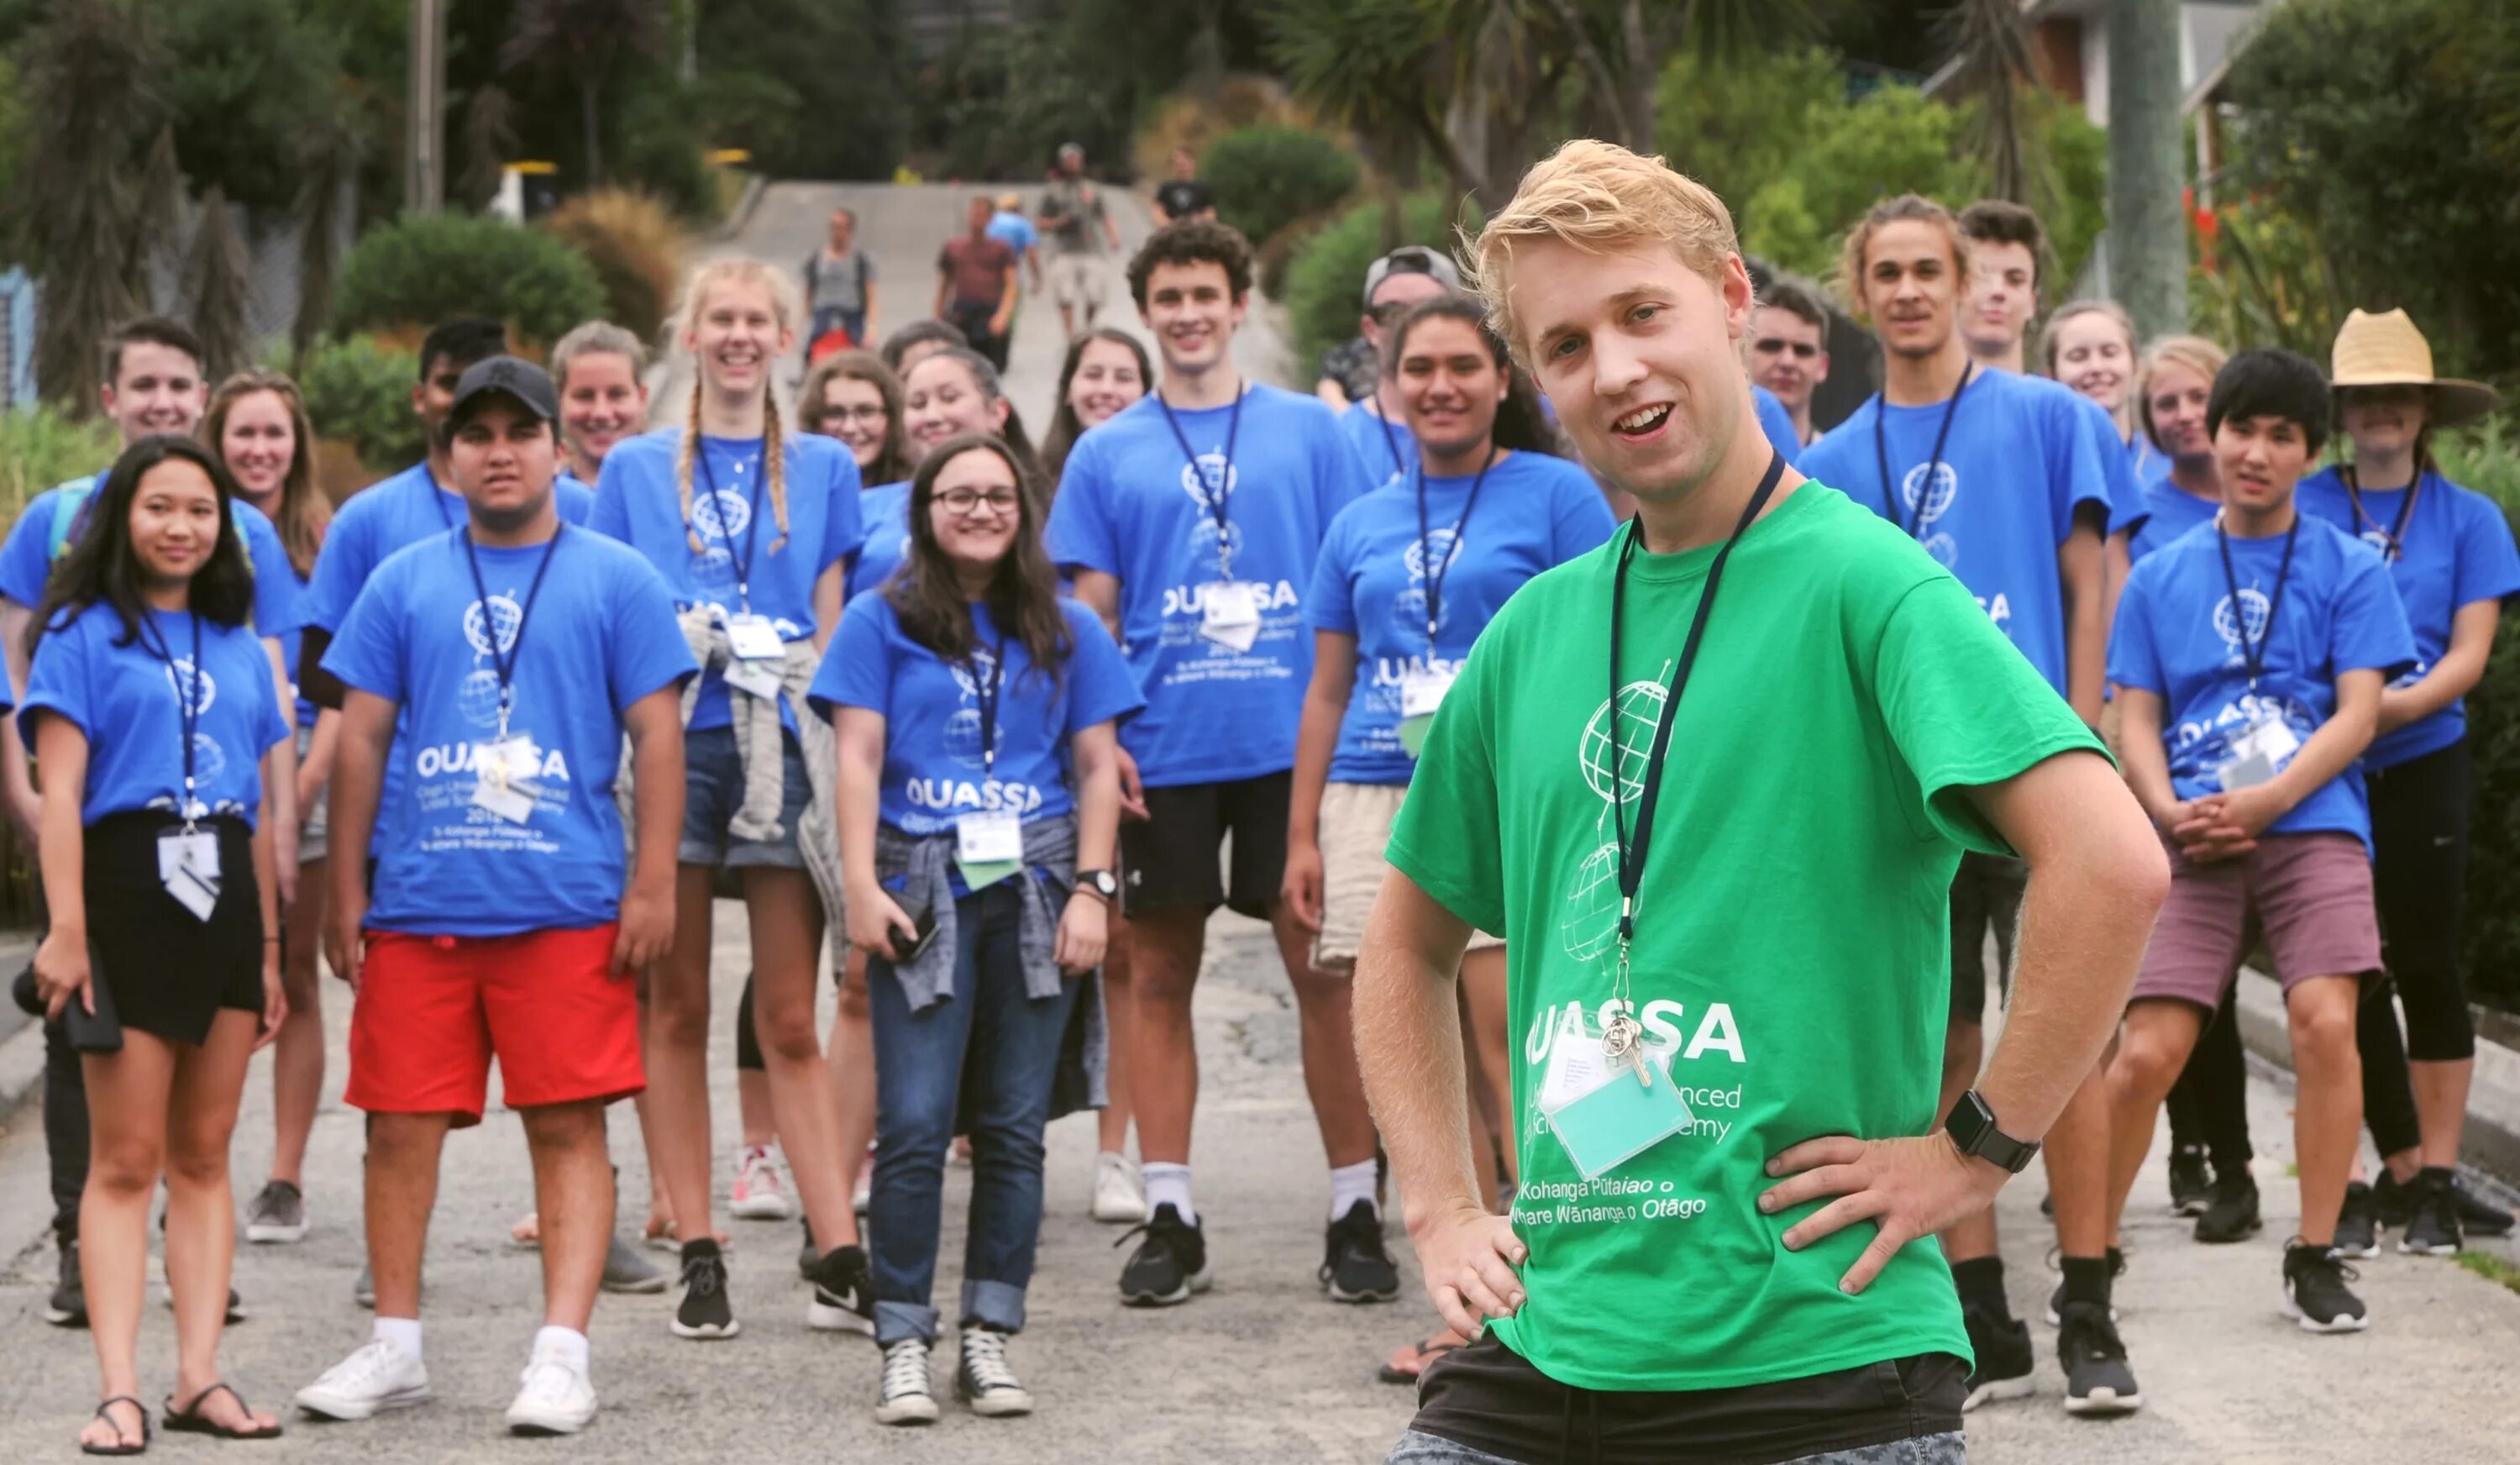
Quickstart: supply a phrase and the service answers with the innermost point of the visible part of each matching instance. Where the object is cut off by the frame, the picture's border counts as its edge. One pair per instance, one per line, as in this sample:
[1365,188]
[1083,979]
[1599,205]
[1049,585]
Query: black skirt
[167,971]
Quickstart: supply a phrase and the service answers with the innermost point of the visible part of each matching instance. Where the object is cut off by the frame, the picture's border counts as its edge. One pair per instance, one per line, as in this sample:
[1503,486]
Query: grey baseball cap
[528,385]
[1411,259]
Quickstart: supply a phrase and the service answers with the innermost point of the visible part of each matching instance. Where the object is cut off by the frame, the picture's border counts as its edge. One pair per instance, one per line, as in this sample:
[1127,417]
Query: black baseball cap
[522,382]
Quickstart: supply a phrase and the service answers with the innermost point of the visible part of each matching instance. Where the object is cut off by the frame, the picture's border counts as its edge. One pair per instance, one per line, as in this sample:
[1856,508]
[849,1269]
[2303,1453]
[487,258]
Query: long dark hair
[1520,422]
[1064,428]
[1022,595]
[101,566]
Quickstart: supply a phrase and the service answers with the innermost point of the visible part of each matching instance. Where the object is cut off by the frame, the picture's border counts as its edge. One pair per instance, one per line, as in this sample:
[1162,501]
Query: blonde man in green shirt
[1727,926]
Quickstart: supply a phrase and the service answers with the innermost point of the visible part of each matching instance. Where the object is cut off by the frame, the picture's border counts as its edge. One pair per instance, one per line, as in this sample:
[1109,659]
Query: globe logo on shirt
[1203,540]
[1640,714]
[1448,549]
[1214,478]
[477,696]
[1590,922]
[1929,505]
[505,614]
[2253,611]
[209,762]
[1590,925]
[194,688]
[720,516]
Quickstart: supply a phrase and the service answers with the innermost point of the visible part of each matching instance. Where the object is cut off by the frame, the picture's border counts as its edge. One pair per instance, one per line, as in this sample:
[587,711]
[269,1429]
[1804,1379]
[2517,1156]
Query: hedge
[360,392]
[1267,177]
[2489,462]
[425,268]
[1326,279]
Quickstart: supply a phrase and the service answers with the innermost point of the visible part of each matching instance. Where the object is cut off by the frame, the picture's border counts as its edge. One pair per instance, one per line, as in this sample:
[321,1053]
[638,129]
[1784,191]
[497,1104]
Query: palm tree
[1378,68]
[580,40]
[217,288]
[1990,42]
[1621,44]
[331,152]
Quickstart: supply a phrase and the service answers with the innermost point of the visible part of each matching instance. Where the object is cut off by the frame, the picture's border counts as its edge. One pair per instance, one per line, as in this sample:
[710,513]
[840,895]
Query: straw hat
[2387,351]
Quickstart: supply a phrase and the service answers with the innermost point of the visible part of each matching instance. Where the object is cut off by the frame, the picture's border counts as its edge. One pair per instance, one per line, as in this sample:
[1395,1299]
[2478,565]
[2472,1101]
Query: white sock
[1350,1183]
[1168,1184]
[402,1332]
[569,1342]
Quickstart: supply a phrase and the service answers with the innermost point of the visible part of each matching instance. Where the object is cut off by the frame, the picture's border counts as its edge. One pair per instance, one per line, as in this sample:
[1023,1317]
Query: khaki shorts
[1355,825]
[1078,280]
[314,832]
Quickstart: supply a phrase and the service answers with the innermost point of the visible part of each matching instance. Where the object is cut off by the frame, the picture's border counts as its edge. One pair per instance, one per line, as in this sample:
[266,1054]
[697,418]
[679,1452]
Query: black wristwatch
[1972,1128]
[1101,882]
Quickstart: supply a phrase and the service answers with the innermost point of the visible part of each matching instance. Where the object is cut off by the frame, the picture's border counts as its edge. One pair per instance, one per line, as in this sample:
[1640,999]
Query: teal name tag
[1604,1113]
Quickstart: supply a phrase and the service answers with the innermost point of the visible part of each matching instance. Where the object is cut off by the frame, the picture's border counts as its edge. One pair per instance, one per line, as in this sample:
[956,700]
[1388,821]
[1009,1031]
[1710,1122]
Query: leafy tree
[1267,178]
[1621,45]
[1894,141]
[582,40]
[1327,273]
[1735,126]
[217,288]
[248,74]
[1377,67]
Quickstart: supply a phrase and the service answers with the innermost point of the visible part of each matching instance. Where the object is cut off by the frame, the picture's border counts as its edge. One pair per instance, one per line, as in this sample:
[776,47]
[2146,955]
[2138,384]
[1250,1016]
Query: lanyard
[1398,468]
[509,659]
[751,523]
[1622,1036]
[1891,498]
[2395,549]
[2253,650]
[985,690]
[1426,556]
[1213,495]
[188,710]
[438,498]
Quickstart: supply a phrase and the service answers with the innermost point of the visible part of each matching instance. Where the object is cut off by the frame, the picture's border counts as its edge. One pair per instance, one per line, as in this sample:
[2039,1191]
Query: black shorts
[1170,858]
[1986,894]
[167,972]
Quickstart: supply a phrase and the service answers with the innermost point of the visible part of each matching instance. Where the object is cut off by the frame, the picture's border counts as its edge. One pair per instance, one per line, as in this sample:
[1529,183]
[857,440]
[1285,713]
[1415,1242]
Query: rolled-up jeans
[986,1055]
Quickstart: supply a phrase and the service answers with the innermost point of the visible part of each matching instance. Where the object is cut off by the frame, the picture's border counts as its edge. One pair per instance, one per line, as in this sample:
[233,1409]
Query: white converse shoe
[906,1398]
[760,1186]
[377,1377]
[554,1396]
[984,1381]
[1119,1197]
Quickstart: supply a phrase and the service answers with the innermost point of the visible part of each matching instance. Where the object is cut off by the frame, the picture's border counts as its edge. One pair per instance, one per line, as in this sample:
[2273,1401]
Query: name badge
[502,769]
[1233,613]
[756,679]
[755,639]
[1602,1116]
[991,838]
[188,866]
[1422,691]
[2261,751]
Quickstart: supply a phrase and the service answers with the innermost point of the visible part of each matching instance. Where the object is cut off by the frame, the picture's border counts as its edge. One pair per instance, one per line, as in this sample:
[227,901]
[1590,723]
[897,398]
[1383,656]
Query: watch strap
[1972,1126]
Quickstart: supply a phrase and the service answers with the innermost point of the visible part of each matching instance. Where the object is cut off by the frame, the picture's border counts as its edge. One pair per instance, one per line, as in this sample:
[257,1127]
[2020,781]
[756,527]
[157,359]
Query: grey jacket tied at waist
[923,868]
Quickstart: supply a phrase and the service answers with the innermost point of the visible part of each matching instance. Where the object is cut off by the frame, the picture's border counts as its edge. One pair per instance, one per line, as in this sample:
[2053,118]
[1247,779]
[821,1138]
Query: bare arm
[1084,927]
[316,768]
[2330,751]
[1100,593]
[2141,754]
[268,879]
[1316,740]
[872,331]
[60,962]
[2119,561]
[1005,310]
[944,290]
[857,735]
[17,785]
[829,599]
[2082,566]
[2454,676]
[280,785]
[655,724]
[358,782]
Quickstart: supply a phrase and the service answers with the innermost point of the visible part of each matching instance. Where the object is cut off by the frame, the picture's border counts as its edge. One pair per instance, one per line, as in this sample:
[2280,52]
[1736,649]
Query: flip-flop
[119,1447]
[190,1420]
[1427,1351]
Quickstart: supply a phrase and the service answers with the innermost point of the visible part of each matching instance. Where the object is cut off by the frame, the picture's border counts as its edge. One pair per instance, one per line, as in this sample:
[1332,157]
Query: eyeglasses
[1775,345]
[960,502]
[875,414]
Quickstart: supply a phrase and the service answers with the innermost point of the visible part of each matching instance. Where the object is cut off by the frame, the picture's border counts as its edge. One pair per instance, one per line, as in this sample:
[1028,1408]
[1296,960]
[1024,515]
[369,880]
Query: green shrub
[1325,282]
[360,392]
[636,248]
[1267,177]
[45,446]
[427,268]
[2487,460]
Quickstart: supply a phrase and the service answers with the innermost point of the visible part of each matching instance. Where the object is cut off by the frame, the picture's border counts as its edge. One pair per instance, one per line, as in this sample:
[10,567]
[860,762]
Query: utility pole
[424,162]
[2147,238]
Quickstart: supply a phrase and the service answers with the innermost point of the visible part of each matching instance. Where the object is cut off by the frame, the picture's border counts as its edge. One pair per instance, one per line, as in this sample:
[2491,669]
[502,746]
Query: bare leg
[127,1101]
[2441,1105]
[2327,1106]
[1119,1010]
[2160,1034]
[851,1056]
[574,1193]
[787,959]
[200,1205]
[402,1189]
[2076,1152]
[1164,1052]
[298,1053]
[752,1107]
[1331,1075]
[677,1054]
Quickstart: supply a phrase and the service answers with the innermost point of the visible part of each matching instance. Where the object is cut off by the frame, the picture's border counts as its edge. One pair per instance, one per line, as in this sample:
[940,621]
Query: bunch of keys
[1623,1045]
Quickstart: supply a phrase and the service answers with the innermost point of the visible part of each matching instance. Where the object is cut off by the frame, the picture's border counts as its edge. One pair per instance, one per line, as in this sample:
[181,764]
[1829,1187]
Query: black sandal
[190,1420]
[119,1447]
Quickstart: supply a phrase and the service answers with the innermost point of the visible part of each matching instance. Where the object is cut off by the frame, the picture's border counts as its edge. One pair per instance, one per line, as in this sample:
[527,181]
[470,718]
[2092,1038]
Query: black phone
[98,1032]
[903,956]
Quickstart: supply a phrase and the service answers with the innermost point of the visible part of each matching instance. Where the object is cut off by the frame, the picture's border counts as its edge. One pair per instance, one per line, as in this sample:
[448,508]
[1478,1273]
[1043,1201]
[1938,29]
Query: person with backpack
[839,285]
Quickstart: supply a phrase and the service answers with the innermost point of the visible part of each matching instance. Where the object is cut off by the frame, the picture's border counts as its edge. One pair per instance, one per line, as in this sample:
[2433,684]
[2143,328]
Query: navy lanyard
[751,522]
[2396,534]
[506,661]
[985,690]
[1214,495]
[188,710]
[1426,556]
[1632,855]
[2253,649]
[1398,468]
[1891,498]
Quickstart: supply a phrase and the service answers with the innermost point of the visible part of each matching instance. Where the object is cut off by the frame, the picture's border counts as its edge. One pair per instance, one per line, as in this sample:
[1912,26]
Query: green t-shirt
[1792,953]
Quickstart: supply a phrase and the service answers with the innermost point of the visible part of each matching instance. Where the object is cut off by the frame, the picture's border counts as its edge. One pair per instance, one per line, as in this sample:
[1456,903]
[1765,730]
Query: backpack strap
[70,501]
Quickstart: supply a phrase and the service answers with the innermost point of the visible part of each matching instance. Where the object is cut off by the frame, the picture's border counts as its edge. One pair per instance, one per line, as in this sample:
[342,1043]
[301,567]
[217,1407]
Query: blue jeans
[713,791]
[989,1054]
[1416,1448]
[851,321]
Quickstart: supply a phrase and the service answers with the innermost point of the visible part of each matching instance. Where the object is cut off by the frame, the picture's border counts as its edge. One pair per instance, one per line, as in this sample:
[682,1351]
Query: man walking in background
[1080,231]
[975,285]
[1182,195]
[1010,225]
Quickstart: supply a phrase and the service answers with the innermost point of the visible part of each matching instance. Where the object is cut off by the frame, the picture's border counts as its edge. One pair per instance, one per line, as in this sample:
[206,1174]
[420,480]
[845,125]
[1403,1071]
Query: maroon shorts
[2310,895]
[433,1011]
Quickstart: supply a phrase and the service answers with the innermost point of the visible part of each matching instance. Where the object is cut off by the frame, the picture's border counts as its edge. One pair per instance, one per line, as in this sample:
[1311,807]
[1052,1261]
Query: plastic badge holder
[2258,754]
[1602,1114]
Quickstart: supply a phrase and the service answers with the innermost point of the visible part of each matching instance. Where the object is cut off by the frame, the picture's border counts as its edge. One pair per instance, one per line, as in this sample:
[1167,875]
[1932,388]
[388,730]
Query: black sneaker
[67,1307]
[2056,1299]
[2097,1380]
[2433,1229]
[2314,1292]
[2233,1215]
[1169,1267]
[2191,1188]
[843,1293]
[2001,1345]
[2393,1202]
[704,1312]
[1358,1268]
[2358,1223]
[2477,1217]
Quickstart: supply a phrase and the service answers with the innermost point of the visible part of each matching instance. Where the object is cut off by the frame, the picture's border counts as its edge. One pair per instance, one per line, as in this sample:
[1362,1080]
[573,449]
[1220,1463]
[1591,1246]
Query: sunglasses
[1775,345]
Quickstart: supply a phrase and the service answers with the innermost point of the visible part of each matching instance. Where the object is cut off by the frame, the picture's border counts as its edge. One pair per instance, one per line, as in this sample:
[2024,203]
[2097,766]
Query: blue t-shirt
[2169,513]
[2177,635]
[2457,549]
[2020,460]
[601,636]
[1534,513]
[2148,464]
[2117,469]
[1388,449]
[124,698]
[1016,229]
[638,502]
[886,511]
[27,557]
[1776,422]
[933,769]
[1130,506]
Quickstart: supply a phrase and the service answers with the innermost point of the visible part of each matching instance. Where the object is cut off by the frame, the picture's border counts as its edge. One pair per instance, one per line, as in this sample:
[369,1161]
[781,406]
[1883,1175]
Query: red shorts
[2310,895]
[433,1011]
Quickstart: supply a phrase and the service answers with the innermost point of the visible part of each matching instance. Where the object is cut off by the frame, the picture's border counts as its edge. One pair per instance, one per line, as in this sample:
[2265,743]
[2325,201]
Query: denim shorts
[714,791]
[314,831]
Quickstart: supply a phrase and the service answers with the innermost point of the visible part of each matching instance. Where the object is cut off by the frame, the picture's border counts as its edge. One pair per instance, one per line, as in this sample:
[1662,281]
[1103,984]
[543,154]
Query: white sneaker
[377,1377]
[984,1381]
[1119,1196]
[554,1396]
[906,1398]
[760,1186]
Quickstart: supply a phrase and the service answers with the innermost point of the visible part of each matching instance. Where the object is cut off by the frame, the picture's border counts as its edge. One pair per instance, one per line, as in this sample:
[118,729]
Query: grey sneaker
[278,1215]
[626,1270]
